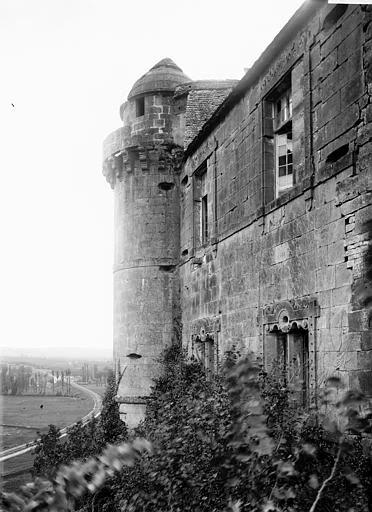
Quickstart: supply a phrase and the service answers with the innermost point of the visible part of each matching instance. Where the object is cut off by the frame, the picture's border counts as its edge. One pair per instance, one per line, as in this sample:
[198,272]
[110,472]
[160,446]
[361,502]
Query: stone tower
[141,163]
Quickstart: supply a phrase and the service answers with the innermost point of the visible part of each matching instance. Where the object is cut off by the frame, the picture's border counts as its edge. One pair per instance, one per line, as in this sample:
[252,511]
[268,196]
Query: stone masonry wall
[309,242]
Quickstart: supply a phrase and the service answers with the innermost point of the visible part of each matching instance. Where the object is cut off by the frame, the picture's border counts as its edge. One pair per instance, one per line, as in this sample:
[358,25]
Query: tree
[48,452]
[112,429]
[82,441]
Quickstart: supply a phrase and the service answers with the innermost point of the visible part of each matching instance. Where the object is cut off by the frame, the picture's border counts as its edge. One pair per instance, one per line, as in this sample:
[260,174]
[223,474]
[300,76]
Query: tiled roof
[203,99]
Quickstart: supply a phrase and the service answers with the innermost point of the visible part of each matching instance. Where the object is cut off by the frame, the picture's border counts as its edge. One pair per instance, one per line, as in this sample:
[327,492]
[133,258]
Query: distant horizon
[53,352]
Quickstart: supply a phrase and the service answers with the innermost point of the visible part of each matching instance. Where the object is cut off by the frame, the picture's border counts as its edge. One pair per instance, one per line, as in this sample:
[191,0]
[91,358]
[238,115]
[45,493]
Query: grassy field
[26,411]
[16,472]
[13,436]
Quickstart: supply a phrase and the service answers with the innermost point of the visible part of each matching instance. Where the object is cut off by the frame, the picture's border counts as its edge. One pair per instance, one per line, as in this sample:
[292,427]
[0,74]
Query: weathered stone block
[330,233]
[325,278]
[350,342]
[329,109]
[344,276]
[351,44]
[281,253]
[339,316]
[365,381]
[366,340]
[325,298]
[365,360]
[326,192]
[324,320]
[352,91]
[336,254]
[358,321]
[356,204]
[341,295]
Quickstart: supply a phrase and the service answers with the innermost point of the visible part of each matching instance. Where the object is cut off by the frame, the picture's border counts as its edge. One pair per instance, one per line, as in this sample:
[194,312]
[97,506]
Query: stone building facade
[240,209]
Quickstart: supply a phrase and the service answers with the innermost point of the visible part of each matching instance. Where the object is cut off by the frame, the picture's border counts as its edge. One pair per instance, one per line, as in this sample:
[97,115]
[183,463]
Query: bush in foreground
[234,442]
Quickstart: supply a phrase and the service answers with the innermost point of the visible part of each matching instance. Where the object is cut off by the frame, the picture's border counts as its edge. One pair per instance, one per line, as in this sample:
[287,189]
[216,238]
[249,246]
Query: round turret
[148,115]
[142,162]
[165,76]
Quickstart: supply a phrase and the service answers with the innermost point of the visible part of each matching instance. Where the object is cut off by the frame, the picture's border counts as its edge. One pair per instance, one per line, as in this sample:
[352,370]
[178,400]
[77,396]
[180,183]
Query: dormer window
[140,107]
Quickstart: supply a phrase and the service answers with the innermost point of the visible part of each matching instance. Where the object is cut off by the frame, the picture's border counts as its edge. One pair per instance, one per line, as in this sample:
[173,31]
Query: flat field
[26,411]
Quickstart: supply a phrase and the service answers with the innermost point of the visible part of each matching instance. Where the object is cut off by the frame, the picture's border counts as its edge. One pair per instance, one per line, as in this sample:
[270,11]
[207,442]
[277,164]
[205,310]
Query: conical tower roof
[164,76]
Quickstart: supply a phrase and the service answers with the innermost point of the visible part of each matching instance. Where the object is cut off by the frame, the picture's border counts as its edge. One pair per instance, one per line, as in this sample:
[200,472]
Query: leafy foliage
[83,441]
[48,452]
[234,442]
[112,429]
[72,482]
[240,442]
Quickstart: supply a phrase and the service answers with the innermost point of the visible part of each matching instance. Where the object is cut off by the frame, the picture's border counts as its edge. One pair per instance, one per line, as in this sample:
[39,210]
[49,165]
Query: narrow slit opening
[337,153]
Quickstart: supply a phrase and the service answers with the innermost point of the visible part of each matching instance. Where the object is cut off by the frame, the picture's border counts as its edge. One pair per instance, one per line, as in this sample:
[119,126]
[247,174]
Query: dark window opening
[140,107]
[166,185]
[201,221]
[204,219]
[167,268]
[133,355]
[337,153]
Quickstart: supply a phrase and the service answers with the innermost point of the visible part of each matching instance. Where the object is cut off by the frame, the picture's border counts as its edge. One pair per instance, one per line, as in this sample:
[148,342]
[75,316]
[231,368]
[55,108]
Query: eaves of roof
[292,27]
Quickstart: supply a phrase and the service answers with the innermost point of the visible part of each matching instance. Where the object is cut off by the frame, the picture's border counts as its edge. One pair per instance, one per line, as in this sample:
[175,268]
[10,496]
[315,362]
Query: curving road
[94,413]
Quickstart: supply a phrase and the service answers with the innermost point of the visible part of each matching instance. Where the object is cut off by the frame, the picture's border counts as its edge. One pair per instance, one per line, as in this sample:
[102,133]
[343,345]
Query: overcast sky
[66,66]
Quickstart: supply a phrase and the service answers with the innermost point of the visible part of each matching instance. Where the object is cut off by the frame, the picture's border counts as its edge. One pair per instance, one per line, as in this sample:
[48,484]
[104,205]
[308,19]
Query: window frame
[201,217]
[275,126]
[287,344]
[281,318]
[289,183]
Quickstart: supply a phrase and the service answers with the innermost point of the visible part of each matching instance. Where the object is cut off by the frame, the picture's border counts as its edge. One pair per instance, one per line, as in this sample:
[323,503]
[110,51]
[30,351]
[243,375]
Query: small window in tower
[140,107]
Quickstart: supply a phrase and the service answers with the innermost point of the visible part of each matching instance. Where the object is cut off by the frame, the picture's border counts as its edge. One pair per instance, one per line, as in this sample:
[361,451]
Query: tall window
[204,219]
[283,149]
[284,161]
[278,139]
[201,222]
